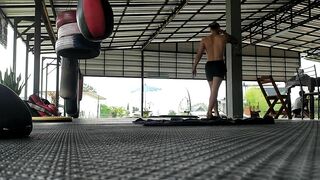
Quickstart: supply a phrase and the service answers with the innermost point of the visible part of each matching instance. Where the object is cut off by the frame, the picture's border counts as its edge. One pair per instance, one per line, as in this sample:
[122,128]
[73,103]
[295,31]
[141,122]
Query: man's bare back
[214,46]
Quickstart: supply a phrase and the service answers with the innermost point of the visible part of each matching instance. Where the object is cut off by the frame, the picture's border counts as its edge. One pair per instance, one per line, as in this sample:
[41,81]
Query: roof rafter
[166,22]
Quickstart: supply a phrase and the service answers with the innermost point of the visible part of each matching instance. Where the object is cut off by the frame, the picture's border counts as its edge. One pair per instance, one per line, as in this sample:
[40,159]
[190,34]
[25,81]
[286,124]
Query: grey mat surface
[286,150]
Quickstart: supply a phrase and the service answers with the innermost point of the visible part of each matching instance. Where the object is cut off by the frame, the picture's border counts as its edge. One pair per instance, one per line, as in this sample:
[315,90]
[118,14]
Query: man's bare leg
[213,102]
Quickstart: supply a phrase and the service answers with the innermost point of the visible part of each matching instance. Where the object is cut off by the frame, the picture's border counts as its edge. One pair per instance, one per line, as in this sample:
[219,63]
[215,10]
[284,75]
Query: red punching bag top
[94,17]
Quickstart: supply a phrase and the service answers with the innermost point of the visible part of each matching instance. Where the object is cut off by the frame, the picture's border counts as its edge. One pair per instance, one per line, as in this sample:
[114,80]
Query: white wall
[88,106]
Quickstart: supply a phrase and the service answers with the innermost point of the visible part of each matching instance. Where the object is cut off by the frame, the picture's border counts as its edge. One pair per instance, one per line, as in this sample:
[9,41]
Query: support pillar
[37,46]
[57,81]
[47,74]
[14,55]
[142,81]
[41,75]
[234,61]
[27,68]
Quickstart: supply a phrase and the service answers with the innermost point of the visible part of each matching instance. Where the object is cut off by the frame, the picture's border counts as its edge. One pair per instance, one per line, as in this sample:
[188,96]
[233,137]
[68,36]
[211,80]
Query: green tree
[172,113]
[118,112]
[255,98]
[105,111]
[88,88]
[112,111]
[13,82]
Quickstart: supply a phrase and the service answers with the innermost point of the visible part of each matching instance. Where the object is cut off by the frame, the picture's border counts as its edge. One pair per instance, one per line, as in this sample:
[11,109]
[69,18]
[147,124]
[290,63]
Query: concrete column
[57,81]
[14,55]
[37,46]
[41,76]
[47,74]
[27,68]
[234,61]
[142,81]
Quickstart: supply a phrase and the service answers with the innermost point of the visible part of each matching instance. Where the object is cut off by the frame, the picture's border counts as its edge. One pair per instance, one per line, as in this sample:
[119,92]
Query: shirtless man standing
[214,45]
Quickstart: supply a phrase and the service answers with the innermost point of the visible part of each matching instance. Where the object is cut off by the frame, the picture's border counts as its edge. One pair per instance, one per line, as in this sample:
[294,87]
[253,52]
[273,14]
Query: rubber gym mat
[285,150]
[52,119]
[182,121]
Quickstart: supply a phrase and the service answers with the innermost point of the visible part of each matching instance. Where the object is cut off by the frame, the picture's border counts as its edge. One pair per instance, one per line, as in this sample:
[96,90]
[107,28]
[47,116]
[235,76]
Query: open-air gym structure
[159,39]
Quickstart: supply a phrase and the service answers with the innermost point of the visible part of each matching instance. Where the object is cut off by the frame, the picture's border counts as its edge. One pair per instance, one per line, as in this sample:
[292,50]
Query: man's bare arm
[199,54]
[230,39]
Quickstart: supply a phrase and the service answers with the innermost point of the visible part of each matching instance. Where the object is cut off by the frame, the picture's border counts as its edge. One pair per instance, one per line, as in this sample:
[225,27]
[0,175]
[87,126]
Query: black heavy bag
[15,117]
[69,78]
[73,105]
[95,19]
[77,47]
[71,43]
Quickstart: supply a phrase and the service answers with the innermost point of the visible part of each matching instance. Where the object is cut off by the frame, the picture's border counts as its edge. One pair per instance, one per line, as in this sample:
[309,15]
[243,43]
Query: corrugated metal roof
[274,33]
[285,24]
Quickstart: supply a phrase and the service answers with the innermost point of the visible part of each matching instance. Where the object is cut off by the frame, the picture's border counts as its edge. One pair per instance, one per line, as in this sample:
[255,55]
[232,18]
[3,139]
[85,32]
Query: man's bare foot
[209,116]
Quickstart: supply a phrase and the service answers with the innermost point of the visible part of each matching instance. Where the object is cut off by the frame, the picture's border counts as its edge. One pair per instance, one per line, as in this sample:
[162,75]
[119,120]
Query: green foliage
[111,111]
[88,88]
[10,80]
[255,98]
[105,111]
[172,113]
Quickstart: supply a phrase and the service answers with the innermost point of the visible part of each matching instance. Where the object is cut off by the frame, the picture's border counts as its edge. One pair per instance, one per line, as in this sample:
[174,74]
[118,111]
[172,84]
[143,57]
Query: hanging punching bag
[69,78]
[72,106]
[95,19]
[71,43]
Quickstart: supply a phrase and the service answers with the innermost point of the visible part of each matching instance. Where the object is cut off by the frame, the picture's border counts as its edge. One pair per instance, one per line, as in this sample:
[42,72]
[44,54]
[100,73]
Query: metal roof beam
[272,15]
[285,19]
[166,22]
[53,9]
[259,10]
[47,23]
[10,22]
[122,15]
[300,35]
[153,19]
[288,28]
[194,14]
[26,30]
[218,19]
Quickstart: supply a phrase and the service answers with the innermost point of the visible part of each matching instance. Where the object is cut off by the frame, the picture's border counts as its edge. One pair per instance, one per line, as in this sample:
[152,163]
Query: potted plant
[11,81]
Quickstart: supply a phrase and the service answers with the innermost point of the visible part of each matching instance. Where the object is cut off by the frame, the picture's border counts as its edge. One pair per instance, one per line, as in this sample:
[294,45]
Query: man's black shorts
[215,68]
